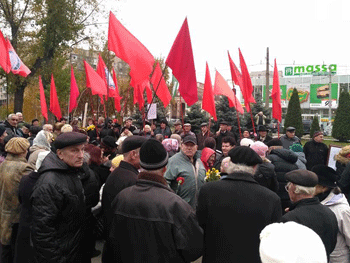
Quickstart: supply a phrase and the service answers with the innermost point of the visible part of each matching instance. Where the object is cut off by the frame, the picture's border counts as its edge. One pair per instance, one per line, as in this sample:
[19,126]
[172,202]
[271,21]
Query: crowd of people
[145,192]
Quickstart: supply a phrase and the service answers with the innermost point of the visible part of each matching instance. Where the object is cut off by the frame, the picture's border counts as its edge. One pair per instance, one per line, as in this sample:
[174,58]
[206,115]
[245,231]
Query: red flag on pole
[247,87]
[94,81]
[235,73]
[74,92]
[162,90]
[54,105]
[180,60]
[131,50]
[208,103]
[17,66]
[104,73]
[4,55]
[42,99]
[276,96]
[116,96]
[222,88]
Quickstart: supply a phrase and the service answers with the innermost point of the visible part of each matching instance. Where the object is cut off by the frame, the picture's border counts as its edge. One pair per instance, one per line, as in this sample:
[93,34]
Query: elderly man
[11,125]
[262,134]
[178,127]
[234,210]
[205,133]
[123,176]
[163,129]
[151,223]
[307,209]
[316,152]
[187,131]
[12,170]
[187,165]
[48,128]
[289,138]
[58,203]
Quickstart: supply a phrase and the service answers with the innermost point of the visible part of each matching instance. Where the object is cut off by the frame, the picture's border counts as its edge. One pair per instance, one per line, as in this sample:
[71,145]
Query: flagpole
[237,114]
[251,116]
[108,68]
[155,91]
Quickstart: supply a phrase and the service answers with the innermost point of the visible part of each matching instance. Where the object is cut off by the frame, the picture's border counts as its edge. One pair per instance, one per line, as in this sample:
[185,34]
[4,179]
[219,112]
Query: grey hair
[227,166]
[11,115]
[304,190]
[86,157]
[156,172]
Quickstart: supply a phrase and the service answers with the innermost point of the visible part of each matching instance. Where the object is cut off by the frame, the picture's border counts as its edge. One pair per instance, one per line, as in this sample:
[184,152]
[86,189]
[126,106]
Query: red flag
[222,88]
[74,92]
[247,87]
[149,93]
[4,55]
[94,81]
[104,73]
[129,49]
[208,103]
[42,99]
[54,105]
[180,60]
[162,90]
[235,74]
[116,96]
[17,66]
[276,96]
[138,96]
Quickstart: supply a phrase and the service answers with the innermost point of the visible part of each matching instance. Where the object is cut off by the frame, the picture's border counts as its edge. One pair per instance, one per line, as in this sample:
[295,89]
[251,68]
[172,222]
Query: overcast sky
[307,32]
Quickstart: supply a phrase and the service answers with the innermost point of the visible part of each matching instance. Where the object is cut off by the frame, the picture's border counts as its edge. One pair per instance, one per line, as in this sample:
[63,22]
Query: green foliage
[315,126]
[341,127]
[293,117]
[196,117]
[224,112]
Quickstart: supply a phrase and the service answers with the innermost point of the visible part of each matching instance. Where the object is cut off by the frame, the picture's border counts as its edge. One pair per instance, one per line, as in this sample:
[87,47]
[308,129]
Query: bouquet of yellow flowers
[212,175]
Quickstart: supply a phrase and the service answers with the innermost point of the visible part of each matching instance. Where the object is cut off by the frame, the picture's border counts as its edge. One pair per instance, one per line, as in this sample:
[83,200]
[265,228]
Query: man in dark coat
[223,132]
[122,177]
[205,133]
[58,203]
[11,125]
[262,134]
[233,211]
[307,209]
[284,161]
[289,138]
[151,223]
[163,129]
[316,152]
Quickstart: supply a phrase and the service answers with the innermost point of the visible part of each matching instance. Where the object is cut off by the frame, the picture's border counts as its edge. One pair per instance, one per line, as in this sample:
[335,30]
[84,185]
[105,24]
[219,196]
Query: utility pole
[267,86]
[330,98]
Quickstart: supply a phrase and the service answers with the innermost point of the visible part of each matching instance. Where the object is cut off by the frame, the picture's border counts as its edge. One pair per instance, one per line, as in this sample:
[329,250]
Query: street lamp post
[330,98]
[70,62]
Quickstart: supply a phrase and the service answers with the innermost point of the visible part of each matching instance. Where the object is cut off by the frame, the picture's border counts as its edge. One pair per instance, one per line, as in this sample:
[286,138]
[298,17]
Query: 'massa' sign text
[315,70]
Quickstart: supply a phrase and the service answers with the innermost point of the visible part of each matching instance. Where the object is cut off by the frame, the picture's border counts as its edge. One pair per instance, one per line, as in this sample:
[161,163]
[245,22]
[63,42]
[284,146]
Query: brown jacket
[11,172]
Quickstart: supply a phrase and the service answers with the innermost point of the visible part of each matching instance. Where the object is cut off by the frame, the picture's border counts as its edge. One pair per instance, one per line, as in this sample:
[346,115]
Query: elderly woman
[11,172]
[41,143]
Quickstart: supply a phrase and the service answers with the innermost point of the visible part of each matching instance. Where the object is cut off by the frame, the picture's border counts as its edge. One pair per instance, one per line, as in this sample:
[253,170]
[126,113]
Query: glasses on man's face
[287,187]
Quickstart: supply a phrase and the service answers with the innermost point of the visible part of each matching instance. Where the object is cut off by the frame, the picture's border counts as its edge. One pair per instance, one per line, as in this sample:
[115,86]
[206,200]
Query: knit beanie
[260,148]
[296,147]
[317,133]
[291,242]
[17,145]
[153,155]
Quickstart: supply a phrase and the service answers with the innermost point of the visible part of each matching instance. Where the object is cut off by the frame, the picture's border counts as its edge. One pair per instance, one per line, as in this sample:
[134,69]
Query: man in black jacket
[58,203]
[316,152]
[122,177]
[151,223]
[307,209]
[234,210]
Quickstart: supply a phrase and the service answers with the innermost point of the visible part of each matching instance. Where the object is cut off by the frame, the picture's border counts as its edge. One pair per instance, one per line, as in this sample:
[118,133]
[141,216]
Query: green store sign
[315,70]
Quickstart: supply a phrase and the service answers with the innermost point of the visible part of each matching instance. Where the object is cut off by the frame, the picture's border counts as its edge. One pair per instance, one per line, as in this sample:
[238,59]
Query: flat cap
[132,143]
[178,123]
[290,128]
[204,124]
[17,145]
[189,138]
[109,141]
[302,177]
[223,122]
[244,155]
[274,142]
[69,139]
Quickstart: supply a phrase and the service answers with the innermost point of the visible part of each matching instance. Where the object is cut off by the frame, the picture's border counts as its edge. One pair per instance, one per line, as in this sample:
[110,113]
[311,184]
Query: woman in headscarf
[41,143]
[208,158]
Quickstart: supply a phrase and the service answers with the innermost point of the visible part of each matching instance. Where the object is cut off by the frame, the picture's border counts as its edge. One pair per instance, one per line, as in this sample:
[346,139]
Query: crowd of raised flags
[144,76]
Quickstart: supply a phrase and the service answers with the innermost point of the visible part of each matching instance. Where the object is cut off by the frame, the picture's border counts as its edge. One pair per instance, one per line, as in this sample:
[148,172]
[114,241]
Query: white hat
[291,243]
[246,142]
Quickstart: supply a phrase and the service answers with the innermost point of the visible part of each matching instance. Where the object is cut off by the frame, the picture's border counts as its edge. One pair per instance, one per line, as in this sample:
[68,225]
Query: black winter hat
[69,139]
[327,176]
[302,177]
[132,143]
[153,155]
[274,142]
[244,155]
[109,141]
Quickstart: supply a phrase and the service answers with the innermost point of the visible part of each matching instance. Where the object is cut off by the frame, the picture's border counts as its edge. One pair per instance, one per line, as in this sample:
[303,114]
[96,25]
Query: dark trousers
[8,251]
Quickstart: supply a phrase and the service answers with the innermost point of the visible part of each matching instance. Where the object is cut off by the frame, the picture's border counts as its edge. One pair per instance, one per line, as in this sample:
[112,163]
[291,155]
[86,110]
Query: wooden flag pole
[251,116]
[239,125]
[278,129]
